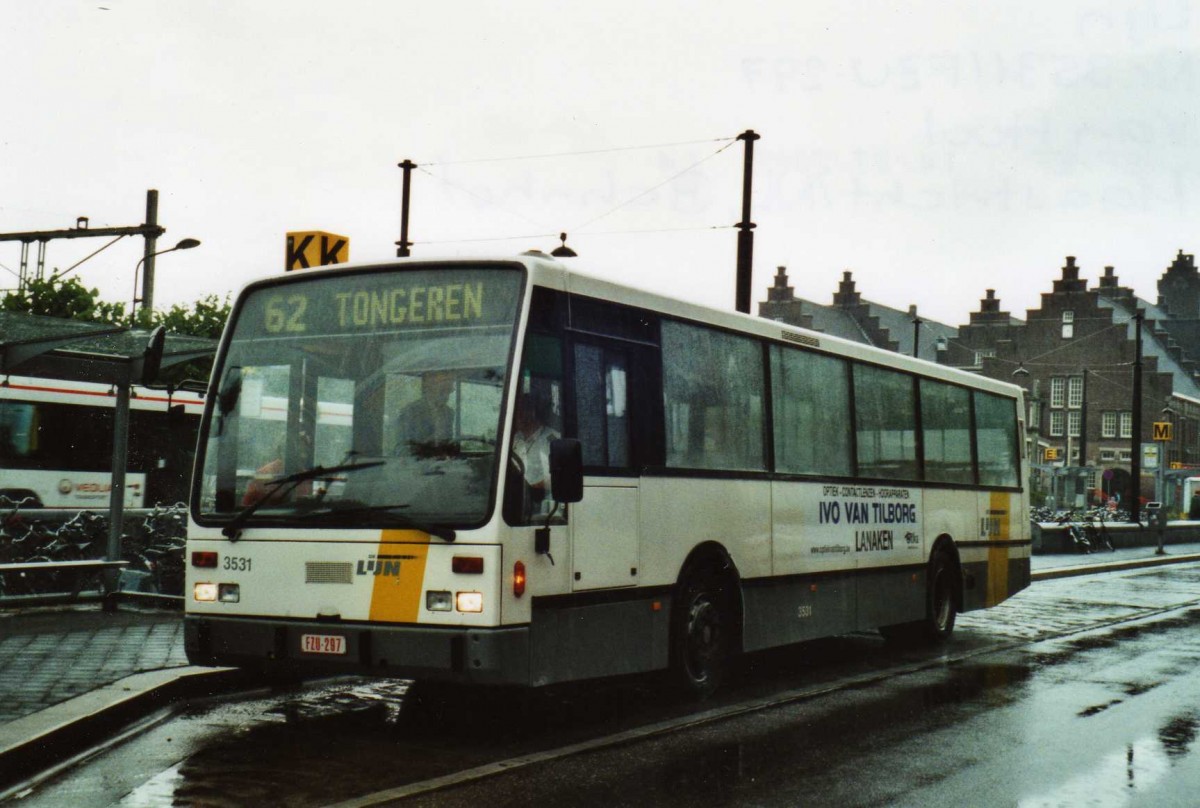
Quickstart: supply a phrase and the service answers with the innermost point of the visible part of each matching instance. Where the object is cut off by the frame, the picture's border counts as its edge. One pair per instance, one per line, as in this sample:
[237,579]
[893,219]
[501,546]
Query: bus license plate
[322,644]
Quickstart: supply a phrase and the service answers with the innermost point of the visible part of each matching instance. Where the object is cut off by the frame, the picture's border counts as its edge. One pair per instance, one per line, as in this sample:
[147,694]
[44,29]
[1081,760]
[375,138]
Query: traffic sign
[1149,456]
[1162,430]
[315,248]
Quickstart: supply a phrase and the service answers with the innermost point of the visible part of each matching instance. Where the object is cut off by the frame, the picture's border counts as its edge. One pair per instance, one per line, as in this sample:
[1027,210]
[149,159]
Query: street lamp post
[147,298]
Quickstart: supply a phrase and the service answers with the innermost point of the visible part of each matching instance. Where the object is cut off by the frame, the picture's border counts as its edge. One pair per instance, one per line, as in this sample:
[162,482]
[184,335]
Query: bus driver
[428,421]
[532,434]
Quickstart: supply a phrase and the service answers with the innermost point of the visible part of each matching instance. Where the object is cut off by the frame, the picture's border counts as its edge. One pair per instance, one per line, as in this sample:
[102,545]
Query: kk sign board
[315,248]
[1162,430]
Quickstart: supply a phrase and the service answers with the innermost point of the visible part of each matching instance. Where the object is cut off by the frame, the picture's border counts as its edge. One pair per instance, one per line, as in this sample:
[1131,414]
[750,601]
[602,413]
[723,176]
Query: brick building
[1075,355]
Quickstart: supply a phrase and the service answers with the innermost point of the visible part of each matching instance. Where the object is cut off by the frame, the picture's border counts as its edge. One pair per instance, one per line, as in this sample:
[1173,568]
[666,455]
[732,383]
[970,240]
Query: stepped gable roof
[1153,344]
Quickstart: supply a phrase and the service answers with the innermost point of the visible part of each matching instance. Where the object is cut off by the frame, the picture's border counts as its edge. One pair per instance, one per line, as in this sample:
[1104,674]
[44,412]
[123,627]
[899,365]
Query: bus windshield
[392,380]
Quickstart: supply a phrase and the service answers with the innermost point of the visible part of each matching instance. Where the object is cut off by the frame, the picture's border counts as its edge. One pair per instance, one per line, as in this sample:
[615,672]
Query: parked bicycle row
[1094,514]
[152,544]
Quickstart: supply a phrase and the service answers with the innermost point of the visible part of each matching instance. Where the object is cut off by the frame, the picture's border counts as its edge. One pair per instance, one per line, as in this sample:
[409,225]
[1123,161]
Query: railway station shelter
[58,348]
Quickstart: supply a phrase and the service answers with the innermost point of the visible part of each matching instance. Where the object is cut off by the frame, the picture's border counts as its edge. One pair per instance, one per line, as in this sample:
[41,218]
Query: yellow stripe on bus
[999,513]
[396,598]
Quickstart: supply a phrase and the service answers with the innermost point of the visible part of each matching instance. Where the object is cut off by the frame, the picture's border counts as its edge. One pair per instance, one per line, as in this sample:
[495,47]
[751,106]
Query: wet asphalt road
[1079,691]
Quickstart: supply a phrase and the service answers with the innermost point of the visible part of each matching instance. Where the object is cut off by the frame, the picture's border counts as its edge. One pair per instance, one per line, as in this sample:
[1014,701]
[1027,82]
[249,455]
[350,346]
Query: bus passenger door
[604,525]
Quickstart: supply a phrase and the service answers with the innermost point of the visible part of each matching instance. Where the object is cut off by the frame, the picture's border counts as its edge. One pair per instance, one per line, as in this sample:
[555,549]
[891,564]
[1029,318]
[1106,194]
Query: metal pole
[745,241]
[1159,477]
[916,335]
[1083,423]
[151,243]
[1135,465]
[120,456]
[403,244]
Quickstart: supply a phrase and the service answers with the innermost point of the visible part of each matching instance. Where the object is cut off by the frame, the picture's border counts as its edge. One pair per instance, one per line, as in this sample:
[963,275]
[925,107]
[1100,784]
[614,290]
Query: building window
[1074,419]
[1056,424]
[1068,324]
[1108,455]
[986,353]
[1108,425]
[1125,457]
[1127,424]
[1058,388]
[1075,392]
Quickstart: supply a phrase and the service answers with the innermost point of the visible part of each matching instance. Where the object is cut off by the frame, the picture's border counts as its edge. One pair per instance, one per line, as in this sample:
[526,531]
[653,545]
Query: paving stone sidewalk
[50,655]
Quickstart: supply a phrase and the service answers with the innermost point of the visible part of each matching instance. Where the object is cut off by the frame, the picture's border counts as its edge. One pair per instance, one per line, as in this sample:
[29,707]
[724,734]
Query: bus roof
[546,271]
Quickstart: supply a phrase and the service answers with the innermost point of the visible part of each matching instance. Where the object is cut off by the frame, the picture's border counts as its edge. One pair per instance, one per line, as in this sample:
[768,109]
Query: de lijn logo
[382,564]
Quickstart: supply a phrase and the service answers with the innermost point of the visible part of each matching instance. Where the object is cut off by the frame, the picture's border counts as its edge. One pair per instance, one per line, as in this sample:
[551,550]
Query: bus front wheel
[702,633]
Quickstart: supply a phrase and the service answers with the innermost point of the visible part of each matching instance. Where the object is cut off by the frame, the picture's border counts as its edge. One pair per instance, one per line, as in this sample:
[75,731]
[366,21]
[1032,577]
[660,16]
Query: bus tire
[702,633]
[942,598]
[941,606]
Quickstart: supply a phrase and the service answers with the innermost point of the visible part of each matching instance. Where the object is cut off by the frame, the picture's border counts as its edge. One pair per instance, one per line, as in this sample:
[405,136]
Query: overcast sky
[934,149]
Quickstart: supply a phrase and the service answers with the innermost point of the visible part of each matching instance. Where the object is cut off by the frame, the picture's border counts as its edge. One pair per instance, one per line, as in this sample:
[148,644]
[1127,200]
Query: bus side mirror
[152,356]
[231,389]
[566,469]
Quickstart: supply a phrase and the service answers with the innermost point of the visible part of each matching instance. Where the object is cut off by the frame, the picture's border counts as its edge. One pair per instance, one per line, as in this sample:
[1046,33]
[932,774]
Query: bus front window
[401,373]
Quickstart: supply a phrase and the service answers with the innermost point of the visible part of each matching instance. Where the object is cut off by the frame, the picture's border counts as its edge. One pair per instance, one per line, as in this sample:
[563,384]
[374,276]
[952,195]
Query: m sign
[1162,430]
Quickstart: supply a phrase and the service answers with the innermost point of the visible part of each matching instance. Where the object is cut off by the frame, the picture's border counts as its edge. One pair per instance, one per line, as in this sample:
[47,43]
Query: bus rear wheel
[941,606]
[702,634]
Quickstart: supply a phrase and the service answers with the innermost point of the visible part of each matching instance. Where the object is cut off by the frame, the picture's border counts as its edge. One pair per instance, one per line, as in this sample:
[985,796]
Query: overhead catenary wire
[651,190]
[62,274]
[529,237]
[554,155]
[480,197]
[1033,360]
[727,143]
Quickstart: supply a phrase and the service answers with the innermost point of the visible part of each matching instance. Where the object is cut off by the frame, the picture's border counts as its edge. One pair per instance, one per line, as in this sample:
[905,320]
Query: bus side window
[602,406]
[713,395]
[18,429]
[537,418]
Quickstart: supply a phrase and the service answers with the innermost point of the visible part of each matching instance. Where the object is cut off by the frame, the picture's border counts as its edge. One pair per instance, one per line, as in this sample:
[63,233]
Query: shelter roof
[59,348]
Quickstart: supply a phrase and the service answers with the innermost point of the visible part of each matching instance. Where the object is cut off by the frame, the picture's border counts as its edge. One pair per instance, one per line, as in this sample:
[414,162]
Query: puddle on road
[1049,653]
[1129,776]
[1177,735]
[331,742]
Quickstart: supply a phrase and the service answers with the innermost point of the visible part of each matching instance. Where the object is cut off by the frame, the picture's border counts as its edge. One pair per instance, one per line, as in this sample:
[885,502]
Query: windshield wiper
[233,530]
[394,516]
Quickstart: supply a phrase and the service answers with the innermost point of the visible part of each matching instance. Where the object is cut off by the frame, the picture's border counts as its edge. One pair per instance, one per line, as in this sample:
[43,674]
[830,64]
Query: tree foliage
[56,297]
[67,297]
[205,318]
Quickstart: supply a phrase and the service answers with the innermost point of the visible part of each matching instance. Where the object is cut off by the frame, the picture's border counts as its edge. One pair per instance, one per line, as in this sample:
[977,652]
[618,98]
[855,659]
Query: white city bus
[56,443]
[726,483]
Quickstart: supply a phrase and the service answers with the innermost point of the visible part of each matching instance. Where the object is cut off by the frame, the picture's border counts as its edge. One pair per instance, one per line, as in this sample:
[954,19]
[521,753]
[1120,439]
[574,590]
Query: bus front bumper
[484,656]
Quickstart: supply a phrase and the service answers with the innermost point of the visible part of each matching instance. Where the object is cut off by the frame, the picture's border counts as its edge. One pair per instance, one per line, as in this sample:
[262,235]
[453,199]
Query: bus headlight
[469,601]
[229,593]
[438,601]
[205,593]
